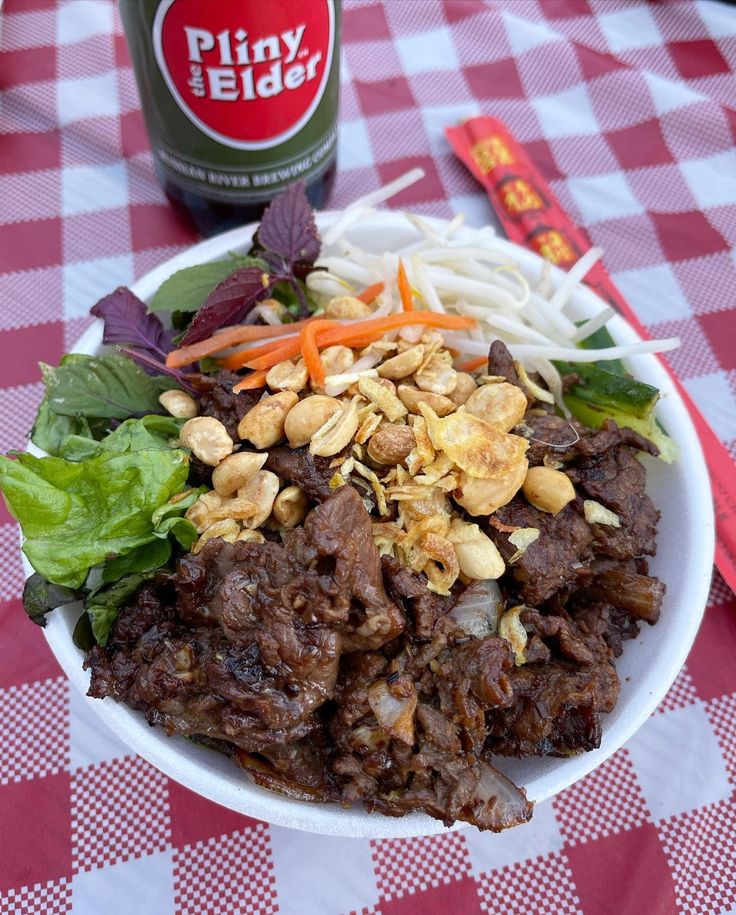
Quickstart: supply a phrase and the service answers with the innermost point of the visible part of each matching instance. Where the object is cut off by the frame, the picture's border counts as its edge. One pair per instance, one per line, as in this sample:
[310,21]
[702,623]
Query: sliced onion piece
[396,716]
[505,804]
[478,608]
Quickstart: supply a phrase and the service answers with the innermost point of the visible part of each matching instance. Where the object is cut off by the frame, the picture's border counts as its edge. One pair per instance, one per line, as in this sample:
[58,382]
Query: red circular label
[248,73]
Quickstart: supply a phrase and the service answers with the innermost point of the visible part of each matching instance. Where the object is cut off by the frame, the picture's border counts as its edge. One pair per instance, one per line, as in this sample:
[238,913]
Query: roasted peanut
[548,490]
[307,416]
[501,405]
[179,404]
[336,359]
[403,365]
[437,375]
[263,424]
[483,497]
[236,470]
[476,553]
[287,376]
[290,506]
[200,513]
[337,432]
[411,398]
[207,439]
[227,529]
[463,388]
[391,444]
[261,492]
[347,306]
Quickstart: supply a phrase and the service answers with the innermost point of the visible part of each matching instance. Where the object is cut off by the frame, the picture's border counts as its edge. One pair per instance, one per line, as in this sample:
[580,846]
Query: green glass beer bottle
[240,99]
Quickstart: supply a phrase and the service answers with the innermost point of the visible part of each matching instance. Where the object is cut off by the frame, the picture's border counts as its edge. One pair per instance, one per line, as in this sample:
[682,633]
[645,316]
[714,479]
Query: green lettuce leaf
[148,432]
[112,387]
[186,289]
[104,604]
[78,515]
[146,558]
[51,431]
[169,521]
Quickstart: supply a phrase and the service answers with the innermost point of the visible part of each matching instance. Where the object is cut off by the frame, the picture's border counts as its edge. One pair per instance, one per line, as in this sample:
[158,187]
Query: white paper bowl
[646,669]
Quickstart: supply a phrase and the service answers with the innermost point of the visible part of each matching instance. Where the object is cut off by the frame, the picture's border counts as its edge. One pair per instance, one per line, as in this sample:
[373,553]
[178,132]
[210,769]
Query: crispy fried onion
[474,445]
[522,538]
[512,629]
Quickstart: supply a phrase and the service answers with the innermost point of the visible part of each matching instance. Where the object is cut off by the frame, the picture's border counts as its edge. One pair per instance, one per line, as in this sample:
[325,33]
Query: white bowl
[647,668]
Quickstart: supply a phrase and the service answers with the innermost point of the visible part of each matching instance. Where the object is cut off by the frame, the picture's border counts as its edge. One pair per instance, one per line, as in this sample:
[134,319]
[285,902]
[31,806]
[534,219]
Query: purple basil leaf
[229,302]
[128,322]
[153,366]
[287,227]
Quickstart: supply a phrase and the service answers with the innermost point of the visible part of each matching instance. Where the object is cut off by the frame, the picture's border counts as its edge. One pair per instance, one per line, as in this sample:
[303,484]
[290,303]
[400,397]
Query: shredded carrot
[277,354]
[242,356]
[250,382]
[230,336]
[310,351]
[361,333]
[377,327]
[472,364]
[405,290]
[370,292]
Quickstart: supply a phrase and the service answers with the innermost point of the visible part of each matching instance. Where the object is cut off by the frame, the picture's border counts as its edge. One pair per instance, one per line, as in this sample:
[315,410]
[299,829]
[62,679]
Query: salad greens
[76,515]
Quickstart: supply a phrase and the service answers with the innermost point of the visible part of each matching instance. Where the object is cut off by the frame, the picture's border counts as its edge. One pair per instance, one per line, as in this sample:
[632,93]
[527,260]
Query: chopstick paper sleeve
[532,216]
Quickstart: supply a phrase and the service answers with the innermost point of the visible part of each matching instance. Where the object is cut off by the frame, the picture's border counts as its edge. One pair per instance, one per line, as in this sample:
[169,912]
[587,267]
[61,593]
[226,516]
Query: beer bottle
[240,99]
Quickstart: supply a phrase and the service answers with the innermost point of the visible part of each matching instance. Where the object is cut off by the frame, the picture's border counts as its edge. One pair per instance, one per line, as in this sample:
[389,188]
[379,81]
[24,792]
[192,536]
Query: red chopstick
[532,216]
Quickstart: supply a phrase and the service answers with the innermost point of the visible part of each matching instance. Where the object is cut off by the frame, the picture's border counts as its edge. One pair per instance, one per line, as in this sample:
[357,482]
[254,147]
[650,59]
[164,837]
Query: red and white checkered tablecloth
[630,110]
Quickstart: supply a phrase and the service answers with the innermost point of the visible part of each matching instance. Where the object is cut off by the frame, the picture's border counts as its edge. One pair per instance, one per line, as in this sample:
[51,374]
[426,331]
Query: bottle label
[250,75]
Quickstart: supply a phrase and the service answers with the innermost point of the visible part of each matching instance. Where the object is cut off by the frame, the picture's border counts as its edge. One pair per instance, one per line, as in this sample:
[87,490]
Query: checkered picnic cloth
[630,110]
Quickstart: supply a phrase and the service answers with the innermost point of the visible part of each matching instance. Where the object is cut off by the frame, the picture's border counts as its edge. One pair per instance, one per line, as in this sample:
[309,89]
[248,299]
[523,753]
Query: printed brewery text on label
[249,75]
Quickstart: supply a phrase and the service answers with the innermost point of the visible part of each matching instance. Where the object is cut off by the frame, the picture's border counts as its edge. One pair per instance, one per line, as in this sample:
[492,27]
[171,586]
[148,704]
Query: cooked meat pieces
[408,589]
[501,363]
[604,467]
[329,673]
[444,769]
[256,636]
[553,561]
[555,711]
[298,466]
[338,542]
[216,398]
[551,436]
[617,480]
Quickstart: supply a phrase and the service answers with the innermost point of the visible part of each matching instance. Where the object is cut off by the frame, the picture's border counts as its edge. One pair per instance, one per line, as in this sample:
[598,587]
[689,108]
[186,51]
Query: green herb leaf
[102,386]
[78,515]
[40,596]
[50,430]
[187,289]
[104,604]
